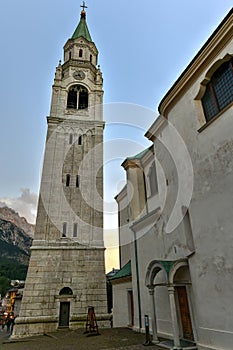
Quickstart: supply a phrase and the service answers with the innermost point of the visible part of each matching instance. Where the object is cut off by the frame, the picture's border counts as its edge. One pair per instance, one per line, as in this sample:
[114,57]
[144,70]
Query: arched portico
[175,276]
[153,269]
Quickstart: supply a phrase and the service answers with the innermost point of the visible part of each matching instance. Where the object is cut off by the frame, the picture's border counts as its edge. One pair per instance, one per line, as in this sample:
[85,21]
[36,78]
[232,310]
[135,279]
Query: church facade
[176,228]
[66,273]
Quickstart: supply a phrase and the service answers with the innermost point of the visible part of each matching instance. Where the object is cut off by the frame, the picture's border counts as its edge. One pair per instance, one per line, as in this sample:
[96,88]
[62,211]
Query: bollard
[147,329]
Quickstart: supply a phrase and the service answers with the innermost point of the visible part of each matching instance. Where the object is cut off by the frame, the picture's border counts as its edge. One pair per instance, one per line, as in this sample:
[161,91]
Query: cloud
[25,204]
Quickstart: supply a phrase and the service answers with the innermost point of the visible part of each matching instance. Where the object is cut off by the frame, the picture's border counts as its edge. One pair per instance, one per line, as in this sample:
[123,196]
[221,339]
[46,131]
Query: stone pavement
[109,339]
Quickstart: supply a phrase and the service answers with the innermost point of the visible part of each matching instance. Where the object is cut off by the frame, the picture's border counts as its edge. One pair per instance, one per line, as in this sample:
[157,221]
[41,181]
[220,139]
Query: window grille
[219,91]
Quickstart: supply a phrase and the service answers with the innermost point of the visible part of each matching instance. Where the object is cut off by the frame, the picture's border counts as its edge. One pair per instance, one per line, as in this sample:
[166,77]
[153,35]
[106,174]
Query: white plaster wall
[210,212]
[148,250]
[211,216]
[121,304]
[125,234]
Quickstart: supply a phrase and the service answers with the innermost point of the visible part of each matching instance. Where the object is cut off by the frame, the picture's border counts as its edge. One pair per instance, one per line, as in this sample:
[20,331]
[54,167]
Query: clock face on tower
[79,75]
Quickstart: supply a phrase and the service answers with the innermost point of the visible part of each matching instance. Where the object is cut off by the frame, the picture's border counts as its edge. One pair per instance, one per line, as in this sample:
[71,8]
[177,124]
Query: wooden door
[185,313]
[64,317]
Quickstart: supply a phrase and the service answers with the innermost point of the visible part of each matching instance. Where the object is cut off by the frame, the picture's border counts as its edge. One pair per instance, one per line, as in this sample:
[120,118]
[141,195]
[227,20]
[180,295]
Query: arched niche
[66,291]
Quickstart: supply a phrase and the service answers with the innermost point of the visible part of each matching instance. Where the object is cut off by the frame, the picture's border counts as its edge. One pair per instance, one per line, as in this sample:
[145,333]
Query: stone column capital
[151,290]
[171,289]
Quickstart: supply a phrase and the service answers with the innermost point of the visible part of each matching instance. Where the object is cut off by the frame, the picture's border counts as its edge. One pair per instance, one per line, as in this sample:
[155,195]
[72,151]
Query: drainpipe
[137,278]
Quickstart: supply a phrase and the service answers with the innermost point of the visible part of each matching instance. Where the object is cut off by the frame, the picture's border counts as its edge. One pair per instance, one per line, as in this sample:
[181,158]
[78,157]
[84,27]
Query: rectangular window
[75,231]
[77,181]
[71,139]
[67,180]
[64,229]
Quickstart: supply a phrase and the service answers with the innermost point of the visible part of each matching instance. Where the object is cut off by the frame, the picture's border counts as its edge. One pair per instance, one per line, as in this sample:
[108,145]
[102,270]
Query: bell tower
[66,271]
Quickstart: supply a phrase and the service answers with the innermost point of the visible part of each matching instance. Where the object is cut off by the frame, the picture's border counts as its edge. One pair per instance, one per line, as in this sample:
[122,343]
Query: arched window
[80,140]
[83,99]
[66,291]
[80,53]
[70,55]
[77,96]
[67,180]
[219,91]
[91,58]
[72,98]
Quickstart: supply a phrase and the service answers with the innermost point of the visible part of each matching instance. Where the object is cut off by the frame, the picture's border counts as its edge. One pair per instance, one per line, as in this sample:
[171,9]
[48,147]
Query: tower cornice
[80,64]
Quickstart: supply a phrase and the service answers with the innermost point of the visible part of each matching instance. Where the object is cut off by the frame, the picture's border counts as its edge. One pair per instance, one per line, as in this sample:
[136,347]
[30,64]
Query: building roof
[124,272]
[112,273]
[139,155]
[82,29]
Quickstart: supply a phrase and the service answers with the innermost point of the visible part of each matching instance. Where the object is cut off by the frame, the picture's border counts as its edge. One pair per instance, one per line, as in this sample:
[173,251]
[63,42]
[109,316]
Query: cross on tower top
[83,6]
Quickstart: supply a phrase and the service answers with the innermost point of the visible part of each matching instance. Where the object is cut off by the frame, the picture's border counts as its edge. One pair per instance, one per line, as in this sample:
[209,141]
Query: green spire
[82,29]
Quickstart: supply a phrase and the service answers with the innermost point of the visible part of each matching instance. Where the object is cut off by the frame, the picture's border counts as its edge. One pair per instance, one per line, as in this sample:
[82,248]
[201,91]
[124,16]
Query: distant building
[109,275]
[123,308]
[176,224]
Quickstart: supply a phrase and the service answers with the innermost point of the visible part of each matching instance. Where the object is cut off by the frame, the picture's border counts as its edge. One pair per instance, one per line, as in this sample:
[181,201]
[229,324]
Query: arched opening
[64,314]
[180,277]
[72,98]
[156,282]
[77,97]
[83,99]
[80,53]
[66,291]
[91,58]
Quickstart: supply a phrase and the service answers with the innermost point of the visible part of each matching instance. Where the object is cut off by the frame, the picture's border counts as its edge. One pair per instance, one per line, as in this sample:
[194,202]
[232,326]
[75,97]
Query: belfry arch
[77,97]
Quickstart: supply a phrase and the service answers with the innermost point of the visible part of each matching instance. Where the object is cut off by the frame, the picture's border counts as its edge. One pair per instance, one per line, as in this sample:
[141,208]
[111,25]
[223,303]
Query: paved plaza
[115,338]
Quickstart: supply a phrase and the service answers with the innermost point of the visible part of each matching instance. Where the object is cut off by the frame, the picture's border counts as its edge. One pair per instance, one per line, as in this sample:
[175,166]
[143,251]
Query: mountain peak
[9,214]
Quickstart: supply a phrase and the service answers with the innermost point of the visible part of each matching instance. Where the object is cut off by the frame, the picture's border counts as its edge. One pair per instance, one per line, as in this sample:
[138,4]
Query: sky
[143,49]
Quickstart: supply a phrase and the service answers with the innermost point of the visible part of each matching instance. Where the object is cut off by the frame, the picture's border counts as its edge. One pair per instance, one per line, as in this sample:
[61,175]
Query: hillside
[15,246]
[14,242]
[11,215]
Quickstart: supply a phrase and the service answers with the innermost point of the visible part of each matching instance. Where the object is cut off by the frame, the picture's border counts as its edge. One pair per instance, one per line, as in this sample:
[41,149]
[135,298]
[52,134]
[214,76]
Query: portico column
[154,327]
[175,326]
